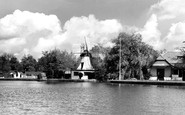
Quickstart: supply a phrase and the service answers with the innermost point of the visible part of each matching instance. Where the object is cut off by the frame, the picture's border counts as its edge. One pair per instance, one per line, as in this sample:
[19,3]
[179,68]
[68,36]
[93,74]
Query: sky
[33,26]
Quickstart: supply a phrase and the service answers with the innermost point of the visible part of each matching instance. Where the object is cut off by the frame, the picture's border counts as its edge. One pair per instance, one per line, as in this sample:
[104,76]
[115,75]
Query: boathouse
[169,66]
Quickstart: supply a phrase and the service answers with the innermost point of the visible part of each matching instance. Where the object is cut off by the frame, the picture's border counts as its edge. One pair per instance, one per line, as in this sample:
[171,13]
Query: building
[169,66]
[34,75]
[15,74]
[85,69]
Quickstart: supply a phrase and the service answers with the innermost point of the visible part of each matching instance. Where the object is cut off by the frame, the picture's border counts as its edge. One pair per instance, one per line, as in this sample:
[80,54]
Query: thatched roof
[175,58]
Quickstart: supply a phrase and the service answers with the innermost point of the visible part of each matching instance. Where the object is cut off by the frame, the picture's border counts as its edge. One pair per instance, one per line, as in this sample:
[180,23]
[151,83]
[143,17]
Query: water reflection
[19,97]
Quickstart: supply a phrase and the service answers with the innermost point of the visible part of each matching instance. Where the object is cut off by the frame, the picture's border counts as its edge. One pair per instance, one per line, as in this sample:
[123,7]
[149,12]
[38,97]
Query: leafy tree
[98,54]
[56,62]
[5,62]
[15,64]
[9,62]
[136,57]
[28,63]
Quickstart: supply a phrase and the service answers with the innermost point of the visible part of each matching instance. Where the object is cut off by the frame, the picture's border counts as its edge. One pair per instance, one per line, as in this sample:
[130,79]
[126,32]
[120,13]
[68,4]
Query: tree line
[136,58]
[53,63]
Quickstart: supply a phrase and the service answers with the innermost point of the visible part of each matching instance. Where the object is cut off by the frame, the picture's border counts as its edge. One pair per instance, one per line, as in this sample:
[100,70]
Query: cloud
[151,34]
[169,9]
[25,32]
[175,36]
[21,31]
[164,15]
[95,31]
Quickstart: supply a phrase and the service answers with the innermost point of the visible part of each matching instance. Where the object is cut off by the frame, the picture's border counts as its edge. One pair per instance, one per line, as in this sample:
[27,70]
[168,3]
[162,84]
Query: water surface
[41,98]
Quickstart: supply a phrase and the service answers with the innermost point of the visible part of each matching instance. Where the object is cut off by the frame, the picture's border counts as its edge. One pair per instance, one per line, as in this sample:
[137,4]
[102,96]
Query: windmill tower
[85,69]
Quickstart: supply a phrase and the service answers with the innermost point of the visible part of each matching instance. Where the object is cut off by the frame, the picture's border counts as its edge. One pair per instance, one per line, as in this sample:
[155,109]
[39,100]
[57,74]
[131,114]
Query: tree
[5,62]
[135,56]
[183,51]
[56,62]
[28,63]
[9,62]
[15,64]
[98,61]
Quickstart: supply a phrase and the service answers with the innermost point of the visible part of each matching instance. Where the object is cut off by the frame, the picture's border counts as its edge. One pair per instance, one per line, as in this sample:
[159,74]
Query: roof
[173,57]
[160,58]
[161,63]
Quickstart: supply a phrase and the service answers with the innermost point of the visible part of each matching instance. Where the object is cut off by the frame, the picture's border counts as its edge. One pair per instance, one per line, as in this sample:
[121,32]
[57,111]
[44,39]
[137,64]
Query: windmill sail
[86,44]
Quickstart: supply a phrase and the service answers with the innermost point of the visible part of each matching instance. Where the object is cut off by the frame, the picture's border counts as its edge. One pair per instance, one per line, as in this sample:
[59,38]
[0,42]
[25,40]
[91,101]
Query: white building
[168,66]
[85,69]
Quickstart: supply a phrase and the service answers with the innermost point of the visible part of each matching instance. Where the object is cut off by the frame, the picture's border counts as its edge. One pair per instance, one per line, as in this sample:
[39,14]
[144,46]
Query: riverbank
[48,80]
[147,82]
[142,82]
[20,79]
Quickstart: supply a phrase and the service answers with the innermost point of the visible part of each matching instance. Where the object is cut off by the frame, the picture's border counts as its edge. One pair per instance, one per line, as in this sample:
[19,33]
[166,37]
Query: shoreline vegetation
[136,60]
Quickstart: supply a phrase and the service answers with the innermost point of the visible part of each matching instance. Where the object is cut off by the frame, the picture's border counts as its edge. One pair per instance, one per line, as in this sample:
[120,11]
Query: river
[87,98]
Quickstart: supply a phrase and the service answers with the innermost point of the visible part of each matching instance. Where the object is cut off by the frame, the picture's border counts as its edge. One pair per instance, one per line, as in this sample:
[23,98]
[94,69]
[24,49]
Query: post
[120,60]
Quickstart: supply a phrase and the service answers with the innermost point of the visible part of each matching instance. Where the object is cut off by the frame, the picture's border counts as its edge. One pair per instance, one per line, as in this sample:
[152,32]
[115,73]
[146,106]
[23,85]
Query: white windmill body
[85,69]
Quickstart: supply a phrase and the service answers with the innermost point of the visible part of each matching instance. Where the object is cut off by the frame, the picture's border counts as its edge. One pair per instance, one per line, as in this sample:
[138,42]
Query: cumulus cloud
[164,15]
[151,34]
[25,32]
[21,31]
[175,36]
[95,31]
[169,9]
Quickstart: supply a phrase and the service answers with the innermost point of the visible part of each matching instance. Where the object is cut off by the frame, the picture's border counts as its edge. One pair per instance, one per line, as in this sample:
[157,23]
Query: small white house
[169,66]
[34,75]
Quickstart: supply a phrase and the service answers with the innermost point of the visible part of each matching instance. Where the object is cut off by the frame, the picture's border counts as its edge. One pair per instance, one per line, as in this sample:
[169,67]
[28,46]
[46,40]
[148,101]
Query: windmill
[85,69]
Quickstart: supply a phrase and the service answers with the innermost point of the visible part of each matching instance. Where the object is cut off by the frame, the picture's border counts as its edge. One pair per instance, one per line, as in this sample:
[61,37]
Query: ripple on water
[88,98]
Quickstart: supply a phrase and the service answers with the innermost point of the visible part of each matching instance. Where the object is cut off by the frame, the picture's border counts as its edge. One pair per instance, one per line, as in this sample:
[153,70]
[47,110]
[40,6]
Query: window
[76,73]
